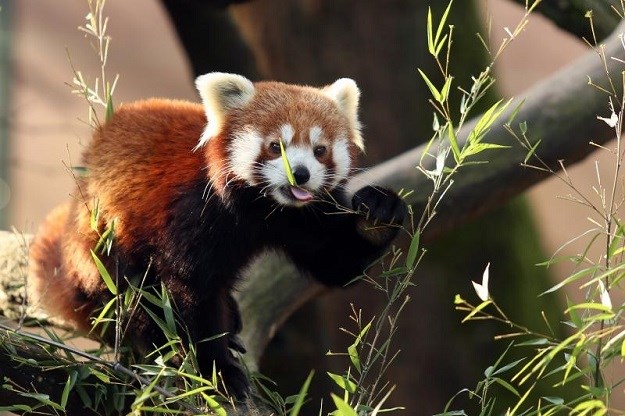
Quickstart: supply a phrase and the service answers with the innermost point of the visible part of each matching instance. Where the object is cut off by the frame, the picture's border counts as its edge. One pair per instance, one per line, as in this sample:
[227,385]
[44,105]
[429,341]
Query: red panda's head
[318,128]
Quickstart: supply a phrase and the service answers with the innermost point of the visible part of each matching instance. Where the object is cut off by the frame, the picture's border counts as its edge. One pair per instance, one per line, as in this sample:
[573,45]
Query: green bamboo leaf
[69,385]
[596,406]
[445,89]
[507,386]
[515,112]
[435,93]
[442,23]
[440,45]
[42,398]
[95,215]
[104,312]
[554,400]
[475,148]
[100,375]
[394,272]
[104,273]
[572,278]
[342,407]
[531,152]
[413,250]
[354,357]
[429,144]
[16,408]
[573,358]
[287,165]
[507,367]
[430,32]
[533,342]
[616,242]
[167,309]
[590,305]
[575,318]
[520,402]
[150,297]
[353,351]
[453,140]
[599,317]
[523,127]
[343,382]
[487,120]
[214,405]
[476,310]
[302,395]
[80,171]
[110,110]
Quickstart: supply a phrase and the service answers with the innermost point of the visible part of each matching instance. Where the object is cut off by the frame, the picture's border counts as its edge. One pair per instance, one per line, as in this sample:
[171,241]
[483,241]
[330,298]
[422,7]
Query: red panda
[198,191]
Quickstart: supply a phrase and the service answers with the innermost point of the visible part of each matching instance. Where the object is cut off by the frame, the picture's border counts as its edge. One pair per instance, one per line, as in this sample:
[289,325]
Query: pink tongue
[301,194]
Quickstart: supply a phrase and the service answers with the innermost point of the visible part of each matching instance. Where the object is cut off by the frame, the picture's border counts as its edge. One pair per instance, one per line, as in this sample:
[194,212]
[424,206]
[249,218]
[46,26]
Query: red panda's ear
[345,93]
[221,93]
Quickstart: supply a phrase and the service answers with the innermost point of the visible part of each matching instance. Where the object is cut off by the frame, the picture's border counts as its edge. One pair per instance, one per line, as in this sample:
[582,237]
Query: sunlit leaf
[301,395]
[435,93]
[287,165]
[108,281]
[343,408]
[343,382]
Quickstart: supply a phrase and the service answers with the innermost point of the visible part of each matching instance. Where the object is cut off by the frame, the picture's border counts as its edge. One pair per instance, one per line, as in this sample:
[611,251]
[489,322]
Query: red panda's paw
[380,205]
[384,212]
[235,380]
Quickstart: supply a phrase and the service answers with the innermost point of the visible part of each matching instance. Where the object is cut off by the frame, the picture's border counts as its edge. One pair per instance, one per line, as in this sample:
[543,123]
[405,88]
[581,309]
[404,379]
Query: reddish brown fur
[133,182]
[56,291]
[173,207]
[129,182]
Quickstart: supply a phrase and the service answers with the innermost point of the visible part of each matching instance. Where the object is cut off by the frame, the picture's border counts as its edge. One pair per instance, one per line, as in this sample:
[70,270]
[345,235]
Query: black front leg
[340,246]
[212,323]
[236,325]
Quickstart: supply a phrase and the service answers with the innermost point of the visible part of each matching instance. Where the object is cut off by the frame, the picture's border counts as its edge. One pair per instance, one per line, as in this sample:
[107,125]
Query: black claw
[236,344]
[380,205]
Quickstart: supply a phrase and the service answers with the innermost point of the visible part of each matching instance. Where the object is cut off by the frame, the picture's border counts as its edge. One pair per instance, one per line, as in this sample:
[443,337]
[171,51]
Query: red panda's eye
[319,151]
[274,147]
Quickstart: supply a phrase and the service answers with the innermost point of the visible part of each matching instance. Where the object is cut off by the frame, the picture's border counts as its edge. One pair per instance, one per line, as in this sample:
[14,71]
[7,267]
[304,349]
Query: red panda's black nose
[301,175]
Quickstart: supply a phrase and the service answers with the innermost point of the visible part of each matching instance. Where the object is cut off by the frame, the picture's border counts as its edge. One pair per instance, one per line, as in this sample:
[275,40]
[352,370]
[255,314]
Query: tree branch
[570,16]
[561,111]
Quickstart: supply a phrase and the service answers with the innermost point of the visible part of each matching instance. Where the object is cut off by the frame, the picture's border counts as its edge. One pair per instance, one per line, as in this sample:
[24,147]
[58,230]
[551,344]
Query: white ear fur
[345,93]
[221,93]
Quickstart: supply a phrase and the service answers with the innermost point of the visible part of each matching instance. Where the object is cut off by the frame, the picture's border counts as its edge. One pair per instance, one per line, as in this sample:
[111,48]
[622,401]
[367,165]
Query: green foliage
[582,359]
[167,380]
[95,29]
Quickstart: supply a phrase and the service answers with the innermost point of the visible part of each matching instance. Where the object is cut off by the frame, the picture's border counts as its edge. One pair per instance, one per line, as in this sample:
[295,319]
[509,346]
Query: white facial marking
[316,133]
[244,150]
[342,160]
[221,93]
[286,133]
[303,156]
[275,176]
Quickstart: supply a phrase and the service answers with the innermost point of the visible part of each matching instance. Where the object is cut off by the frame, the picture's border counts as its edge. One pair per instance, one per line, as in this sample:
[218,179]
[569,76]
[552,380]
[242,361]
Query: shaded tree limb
[570,16]
[561,111]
